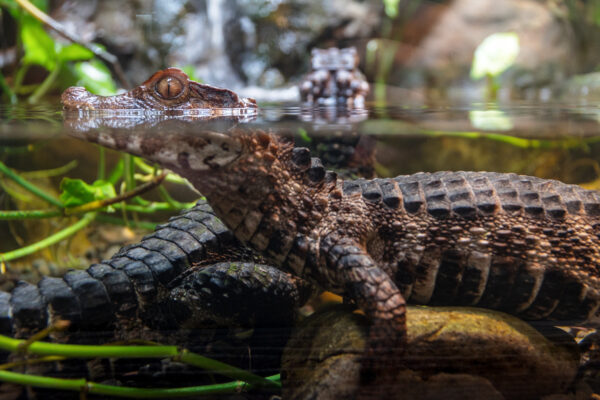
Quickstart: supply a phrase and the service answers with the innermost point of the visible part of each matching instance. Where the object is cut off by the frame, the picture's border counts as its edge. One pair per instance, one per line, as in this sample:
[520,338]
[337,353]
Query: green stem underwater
[29,186]
[50,240]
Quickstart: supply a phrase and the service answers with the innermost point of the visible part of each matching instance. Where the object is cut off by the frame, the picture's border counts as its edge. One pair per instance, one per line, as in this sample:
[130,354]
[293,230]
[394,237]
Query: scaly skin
[186,284]
[520,244]
[170,89]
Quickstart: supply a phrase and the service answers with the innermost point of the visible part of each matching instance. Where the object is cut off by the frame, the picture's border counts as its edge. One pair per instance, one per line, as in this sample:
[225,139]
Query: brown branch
[60,29]
[94,205]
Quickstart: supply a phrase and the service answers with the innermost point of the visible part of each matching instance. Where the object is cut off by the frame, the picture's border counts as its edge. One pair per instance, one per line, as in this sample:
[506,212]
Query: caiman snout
[77,98]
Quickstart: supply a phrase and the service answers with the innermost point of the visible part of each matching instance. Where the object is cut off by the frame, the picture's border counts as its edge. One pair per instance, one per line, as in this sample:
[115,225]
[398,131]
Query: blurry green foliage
[95,77]
[584,10]
[391,8]
[190,71]
[304,135]
[495,54]
[40,49]
[379,61]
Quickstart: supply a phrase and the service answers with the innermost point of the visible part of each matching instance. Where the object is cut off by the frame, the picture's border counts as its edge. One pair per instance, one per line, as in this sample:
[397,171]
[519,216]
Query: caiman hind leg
[374,292]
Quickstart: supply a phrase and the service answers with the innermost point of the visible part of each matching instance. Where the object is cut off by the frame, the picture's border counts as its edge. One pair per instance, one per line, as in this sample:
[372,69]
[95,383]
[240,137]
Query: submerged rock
[453,353]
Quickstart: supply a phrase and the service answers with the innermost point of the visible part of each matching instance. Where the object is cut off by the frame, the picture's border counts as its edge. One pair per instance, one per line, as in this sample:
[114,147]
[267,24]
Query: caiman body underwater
[519,244]
[524,245]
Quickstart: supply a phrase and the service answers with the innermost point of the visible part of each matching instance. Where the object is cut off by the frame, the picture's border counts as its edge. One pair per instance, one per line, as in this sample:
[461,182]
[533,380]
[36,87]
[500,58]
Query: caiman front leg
[374,292]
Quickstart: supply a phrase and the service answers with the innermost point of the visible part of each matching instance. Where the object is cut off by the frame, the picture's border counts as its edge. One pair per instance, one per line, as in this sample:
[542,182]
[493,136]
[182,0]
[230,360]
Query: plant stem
[29,186]
[45,173]
[117,172]
[221,368]
[95,205]
[44,86]
[50,240]
[167,197]
[97,50]
[12,97]
[19,77]
[172,177]
[90,351]
[29,214]
[81,385]
[151,207]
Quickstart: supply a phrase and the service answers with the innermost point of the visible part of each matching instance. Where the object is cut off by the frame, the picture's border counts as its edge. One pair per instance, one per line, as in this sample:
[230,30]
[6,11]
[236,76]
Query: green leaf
[495,55]
[76,192]
[95,77]
[11,6]
[39,47]
[74,52]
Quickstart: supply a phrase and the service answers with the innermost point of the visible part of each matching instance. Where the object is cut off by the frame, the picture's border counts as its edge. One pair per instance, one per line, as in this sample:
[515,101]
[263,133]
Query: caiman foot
[374,292]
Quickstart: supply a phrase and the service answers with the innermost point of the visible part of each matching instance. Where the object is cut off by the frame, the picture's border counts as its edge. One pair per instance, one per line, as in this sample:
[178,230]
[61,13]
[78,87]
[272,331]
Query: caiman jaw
[211,150]
[185,153]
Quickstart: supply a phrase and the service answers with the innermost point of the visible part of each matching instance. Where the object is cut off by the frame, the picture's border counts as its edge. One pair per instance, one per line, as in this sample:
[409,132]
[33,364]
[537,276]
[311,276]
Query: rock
[452,353]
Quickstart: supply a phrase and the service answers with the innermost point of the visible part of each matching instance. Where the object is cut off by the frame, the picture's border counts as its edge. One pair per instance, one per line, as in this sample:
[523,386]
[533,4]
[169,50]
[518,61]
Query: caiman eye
[169,87]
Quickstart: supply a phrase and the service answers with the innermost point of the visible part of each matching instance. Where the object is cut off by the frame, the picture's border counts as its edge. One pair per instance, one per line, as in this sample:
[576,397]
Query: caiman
[182,285]
[187,284]
[520,244]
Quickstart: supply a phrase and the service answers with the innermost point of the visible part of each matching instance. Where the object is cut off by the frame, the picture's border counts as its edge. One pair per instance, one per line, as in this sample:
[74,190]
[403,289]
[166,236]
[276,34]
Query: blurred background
[415,51]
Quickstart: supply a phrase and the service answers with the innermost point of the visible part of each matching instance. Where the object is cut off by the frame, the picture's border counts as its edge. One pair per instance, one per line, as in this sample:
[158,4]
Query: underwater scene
[257,199]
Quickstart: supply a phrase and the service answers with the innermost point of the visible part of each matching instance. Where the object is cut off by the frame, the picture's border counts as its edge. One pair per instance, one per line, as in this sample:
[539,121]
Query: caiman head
[251,178]
[169,89]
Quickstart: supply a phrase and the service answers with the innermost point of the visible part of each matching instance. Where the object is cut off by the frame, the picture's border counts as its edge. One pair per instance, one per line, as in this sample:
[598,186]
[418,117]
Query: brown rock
[452,353]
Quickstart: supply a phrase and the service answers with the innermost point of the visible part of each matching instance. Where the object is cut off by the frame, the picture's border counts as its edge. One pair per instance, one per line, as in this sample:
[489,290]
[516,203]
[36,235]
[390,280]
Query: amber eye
[169,87]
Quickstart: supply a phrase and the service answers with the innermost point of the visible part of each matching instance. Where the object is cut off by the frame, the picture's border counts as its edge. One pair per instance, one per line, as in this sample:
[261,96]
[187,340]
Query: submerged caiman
[191,283]
[524,245]
[520,244]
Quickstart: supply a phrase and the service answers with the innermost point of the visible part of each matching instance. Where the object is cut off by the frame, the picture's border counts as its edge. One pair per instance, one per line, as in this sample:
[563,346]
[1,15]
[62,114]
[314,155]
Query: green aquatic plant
[89,202]
[66,64]
[50,352]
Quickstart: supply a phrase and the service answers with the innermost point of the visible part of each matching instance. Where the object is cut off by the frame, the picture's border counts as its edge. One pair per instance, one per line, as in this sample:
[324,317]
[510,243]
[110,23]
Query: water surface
[547,140]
